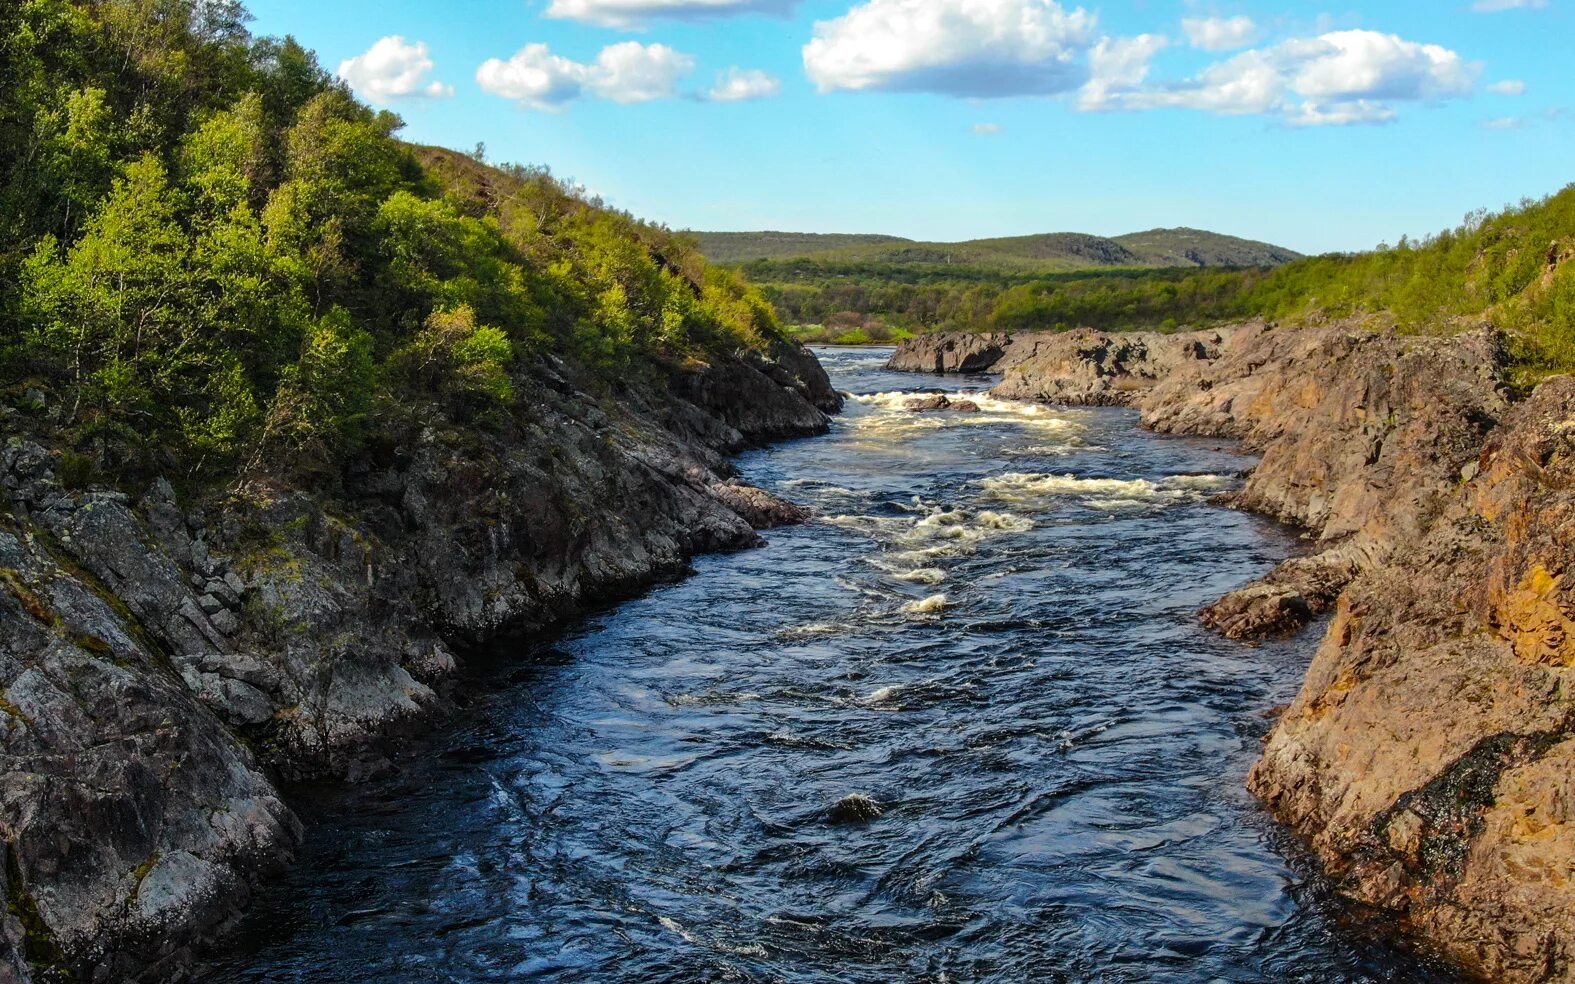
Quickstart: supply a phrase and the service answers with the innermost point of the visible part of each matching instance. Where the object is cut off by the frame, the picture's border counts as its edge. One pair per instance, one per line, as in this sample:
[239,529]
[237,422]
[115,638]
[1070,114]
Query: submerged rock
[856,808]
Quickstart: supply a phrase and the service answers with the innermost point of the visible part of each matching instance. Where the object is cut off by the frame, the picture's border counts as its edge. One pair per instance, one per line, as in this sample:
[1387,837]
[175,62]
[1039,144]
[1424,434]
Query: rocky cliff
[165,657]
[1428,757]
[1082,367]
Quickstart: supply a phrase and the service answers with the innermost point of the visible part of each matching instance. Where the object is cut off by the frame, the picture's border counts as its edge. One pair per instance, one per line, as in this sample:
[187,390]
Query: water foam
[1034,488]
[929,606]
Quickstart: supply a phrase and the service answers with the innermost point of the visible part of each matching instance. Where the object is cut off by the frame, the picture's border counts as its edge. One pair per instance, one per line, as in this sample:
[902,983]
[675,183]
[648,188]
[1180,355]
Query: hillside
[1194,247]
[740,247]
[1048,252]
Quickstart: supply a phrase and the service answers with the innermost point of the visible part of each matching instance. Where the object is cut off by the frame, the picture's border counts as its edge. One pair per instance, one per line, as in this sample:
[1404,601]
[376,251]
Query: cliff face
[1361,436]
[161,660]
[1428,758]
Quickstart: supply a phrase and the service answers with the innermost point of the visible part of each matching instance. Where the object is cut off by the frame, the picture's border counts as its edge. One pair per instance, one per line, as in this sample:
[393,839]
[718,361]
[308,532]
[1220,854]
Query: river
[989,632]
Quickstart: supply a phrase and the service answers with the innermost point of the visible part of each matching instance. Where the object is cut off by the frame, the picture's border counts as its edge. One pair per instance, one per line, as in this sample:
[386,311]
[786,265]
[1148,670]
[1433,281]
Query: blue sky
[1315,127]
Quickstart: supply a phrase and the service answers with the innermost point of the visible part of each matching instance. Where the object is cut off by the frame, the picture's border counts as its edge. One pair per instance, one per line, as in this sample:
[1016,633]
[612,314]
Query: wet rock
[950,352]
[760,508]
[940,401]
[856,808]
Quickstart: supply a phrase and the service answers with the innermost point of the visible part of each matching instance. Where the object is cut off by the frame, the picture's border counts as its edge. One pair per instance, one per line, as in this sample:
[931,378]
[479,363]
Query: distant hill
[1196,247]
[1050,252]
[742,247]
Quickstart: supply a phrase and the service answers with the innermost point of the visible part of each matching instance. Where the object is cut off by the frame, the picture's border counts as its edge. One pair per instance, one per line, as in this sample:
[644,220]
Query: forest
[215,260]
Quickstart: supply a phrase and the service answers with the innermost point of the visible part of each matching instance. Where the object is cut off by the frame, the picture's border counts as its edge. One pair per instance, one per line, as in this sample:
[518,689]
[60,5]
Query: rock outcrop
[1090,368]
[1082,367]
[944,352]
[1361,435]
[163,660]
[1430,757]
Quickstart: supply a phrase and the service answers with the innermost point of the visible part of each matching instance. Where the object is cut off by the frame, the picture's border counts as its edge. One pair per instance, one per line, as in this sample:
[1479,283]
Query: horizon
[1308,127]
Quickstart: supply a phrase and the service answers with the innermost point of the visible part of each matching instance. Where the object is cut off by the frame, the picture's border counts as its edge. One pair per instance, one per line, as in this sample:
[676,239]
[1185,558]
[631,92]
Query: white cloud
[635,13]
[1220,33]
[1338,78]
[632,72]
[1341,113]
[629,72]
[986,129]
[393,69]
[739,85]
[1495,6]
[1118,66]
[1508,87]
[535,77]
[977,48]
[1505,123]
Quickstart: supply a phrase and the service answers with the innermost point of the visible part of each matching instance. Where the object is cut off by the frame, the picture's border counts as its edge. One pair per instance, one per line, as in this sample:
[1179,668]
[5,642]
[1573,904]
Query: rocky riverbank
[163,661]
[1427,759]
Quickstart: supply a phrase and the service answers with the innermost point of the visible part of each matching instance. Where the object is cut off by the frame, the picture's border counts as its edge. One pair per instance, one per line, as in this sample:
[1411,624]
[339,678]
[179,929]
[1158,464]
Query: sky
[1320,128]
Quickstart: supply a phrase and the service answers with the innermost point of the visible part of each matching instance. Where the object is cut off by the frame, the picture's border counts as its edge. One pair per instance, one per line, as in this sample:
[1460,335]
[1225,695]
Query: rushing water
[989,630]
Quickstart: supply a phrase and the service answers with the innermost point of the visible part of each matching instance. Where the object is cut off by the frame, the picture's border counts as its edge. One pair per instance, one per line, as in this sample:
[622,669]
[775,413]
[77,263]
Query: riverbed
[988,631]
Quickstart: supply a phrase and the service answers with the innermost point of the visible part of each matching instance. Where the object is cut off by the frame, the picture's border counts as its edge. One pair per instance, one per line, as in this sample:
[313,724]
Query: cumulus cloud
[739,85]
[1338,78]
[1117,67]
[1508,87]
[985,48]
[629,72]
[634,13]
[632,72]
[393,69]
[977,48]
[1220,33]
[1495,6]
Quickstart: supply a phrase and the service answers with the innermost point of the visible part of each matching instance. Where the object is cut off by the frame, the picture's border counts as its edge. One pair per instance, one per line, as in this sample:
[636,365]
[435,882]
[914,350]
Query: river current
[989,631]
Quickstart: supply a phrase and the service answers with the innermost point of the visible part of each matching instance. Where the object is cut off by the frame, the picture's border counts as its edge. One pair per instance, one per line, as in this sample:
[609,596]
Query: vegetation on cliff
[211,255]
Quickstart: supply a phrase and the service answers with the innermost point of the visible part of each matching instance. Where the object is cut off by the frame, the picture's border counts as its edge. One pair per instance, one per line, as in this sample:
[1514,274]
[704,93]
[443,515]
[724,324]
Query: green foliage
[212,255]
[462,361]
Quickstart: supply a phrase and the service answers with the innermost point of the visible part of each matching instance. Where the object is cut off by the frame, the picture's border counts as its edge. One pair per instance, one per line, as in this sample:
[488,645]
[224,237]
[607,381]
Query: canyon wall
[162,661]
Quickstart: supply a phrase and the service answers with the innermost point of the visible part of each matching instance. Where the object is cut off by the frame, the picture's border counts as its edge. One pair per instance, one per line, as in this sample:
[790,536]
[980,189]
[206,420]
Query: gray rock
[226,622]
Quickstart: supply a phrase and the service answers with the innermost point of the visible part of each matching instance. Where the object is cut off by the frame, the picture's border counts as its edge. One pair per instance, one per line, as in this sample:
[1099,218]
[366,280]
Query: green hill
[1047,252]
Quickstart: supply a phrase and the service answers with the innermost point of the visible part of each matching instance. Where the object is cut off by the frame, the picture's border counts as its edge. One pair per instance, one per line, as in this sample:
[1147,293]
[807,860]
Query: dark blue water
[989,631]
